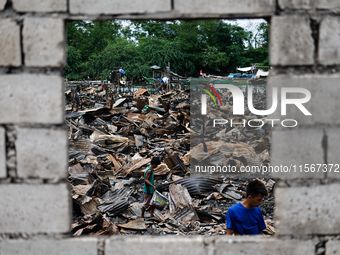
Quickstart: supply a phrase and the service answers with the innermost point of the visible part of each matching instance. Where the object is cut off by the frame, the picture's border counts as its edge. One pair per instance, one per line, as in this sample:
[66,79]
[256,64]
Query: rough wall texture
[225,6]
[83,246]
[41,153]
[35,206]
[2,4]
[10,51]
[321,112]
[118,7]
[40,6]
[291,44]
[329,52]
[31,98]
[44,42]
[303,211]
[3,170]
[308,4]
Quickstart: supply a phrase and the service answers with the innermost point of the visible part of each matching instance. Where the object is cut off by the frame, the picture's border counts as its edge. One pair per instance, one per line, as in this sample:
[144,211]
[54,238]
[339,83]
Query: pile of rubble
[112,139]
[220,138]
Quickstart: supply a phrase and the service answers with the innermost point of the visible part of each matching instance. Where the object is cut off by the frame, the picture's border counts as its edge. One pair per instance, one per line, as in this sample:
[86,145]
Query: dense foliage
[216,47]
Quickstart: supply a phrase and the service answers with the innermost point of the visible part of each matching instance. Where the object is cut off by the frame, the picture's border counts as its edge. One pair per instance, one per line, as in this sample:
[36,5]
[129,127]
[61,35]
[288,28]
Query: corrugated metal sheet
[113,209]
[182,208]
[196,186]
[80,144]
[89,208]
[116,195]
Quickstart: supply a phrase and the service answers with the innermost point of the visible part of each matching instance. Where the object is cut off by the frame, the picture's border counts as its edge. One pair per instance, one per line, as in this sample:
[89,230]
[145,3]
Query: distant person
[245,218]
[121,71]
[166,82]
[149,186]
[160,86]
[203,75]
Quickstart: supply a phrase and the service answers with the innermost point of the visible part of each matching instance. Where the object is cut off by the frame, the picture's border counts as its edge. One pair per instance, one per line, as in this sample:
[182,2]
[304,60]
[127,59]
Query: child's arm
[230,232]
[262,225]
[147,176]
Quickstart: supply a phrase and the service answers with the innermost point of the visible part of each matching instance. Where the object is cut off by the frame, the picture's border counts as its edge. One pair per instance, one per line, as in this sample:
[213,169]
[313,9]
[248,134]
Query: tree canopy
[214,46]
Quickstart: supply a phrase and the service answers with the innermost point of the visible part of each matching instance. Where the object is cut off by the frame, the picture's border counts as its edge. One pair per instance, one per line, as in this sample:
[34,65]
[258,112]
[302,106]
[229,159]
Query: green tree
[95,48]
[259,54]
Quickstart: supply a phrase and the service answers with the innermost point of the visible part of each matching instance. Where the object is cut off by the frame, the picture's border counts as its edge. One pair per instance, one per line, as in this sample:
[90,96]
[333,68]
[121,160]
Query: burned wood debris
[224,139]
[112,140]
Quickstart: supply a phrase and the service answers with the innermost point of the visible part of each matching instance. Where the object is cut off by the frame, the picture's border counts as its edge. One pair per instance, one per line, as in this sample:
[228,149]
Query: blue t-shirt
[245,221]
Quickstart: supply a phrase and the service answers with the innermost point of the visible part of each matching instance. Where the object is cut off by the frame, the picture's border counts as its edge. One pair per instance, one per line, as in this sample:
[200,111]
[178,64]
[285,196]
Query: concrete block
[291,42]
[118,7]
[83,246]
[40,6]
[44,42]
[309,4]
[10,50]
[329,36]
[332,247]
[324,102]
[2,4]
[42,153]
[295,148]
[225,7]
[31,98]
[35,208]
[262,246]
[3,170]
[327,4]
[333,148]
[161,245]
[296,4]
[307,210]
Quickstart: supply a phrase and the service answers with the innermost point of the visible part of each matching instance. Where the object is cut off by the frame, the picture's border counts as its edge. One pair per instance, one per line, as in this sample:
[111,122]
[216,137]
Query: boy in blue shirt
[246,218]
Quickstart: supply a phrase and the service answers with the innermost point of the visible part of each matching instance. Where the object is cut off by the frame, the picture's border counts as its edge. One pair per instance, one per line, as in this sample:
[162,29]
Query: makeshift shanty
[245,69]
[261,73]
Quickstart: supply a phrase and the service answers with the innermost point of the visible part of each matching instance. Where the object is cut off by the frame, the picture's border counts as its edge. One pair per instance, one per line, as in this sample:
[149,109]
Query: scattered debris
[223,139]
[135,224]
[181,208]
[112,140]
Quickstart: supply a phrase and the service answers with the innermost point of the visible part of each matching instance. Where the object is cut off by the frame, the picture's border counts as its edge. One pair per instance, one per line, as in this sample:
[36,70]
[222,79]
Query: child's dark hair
[256,187]
[155,161]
